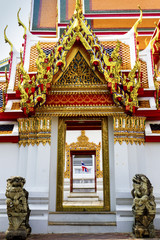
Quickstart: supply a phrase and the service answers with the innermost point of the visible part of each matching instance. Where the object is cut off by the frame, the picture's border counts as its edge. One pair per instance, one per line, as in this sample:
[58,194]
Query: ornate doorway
[83,166]
[83,171]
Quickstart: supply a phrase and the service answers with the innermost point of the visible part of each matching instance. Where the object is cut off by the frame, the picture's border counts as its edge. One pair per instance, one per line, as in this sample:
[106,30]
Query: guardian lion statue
[17,209]
[144,207]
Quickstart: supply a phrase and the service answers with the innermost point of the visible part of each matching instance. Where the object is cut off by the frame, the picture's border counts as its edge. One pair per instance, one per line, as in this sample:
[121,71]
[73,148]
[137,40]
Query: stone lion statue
[17,209]
[144,206]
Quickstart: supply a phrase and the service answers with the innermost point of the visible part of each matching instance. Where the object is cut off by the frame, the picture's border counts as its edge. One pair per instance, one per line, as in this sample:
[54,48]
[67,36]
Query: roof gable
[124,88]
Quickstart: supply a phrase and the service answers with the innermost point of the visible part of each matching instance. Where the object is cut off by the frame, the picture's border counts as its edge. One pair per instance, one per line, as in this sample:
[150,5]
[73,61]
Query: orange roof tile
[47,46]
[124,53]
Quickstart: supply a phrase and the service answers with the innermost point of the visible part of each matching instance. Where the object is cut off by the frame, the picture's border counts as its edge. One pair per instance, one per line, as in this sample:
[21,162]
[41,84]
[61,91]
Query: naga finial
[155,38]
[20,23]
[138,21]
[7,40]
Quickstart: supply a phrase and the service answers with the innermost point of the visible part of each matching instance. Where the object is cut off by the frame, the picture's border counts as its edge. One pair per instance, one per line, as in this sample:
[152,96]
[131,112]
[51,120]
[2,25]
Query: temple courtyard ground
[83,236]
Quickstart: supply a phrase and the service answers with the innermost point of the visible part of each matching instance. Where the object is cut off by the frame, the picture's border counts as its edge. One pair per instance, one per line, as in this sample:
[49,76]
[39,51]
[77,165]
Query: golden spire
[77,13]
[78,9]
[138,21]
[7,40]
[20,23]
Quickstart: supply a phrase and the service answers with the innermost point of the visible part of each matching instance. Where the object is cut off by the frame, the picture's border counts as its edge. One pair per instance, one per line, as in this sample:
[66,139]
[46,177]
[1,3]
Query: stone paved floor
[83,236]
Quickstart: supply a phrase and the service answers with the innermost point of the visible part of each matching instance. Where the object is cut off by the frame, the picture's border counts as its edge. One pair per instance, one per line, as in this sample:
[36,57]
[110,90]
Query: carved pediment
[78,74]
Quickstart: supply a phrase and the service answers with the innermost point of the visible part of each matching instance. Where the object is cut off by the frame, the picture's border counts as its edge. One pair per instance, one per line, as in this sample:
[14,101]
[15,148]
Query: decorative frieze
[34,130]
[129,129]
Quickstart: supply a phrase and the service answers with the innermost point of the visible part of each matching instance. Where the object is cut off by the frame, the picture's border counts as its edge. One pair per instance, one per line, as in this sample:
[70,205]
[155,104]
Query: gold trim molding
[69,111]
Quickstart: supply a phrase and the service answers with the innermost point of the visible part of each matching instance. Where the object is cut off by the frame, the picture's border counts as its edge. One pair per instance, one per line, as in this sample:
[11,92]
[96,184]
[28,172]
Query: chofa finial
[7,40]
[138,21]
[20,23]
[155,38]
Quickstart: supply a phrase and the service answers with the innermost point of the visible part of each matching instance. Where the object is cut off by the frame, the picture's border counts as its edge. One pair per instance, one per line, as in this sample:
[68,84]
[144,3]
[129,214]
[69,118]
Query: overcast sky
[8,16]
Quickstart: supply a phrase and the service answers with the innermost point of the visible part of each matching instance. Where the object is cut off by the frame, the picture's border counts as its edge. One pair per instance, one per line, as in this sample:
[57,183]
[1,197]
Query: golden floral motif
[78,73]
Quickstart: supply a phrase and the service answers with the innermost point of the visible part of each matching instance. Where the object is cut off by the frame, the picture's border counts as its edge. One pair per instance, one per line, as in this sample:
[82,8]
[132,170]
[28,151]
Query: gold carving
[129,129]
[34,130]
[78,74]
[83,144]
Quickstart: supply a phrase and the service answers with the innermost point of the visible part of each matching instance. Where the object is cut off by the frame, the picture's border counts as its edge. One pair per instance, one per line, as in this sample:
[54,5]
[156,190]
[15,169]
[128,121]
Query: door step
[81,198]
[79,222]
[83,195]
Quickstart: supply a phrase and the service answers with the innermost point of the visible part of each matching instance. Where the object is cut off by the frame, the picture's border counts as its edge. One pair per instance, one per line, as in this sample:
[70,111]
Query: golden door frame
[61,164]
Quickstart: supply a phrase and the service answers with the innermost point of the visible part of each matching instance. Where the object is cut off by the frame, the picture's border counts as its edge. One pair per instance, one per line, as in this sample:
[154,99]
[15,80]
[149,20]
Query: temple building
[80,114]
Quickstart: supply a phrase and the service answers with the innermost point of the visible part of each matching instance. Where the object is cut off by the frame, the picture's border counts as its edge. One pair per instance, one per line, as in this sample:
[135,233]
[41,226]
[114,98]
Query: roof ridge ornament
[20,23]
[139,20]
[155,38]
[77,15]
[78,9]
[7,40]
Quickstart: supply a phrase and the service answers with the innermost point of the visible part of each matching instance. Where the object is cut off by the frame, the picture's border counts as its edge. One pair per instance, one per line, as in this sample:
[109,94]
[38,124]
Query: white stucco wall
[134,159]
[32,163]
[9,162]
[131,160]
[34,167]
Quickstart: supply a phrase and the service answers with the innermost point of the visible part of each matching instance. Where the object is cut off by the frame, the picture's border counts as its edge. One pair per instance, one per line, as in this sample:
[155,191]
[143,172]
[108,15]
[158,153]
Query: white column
[53,164]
